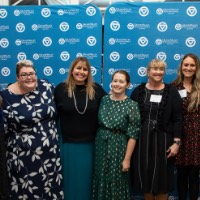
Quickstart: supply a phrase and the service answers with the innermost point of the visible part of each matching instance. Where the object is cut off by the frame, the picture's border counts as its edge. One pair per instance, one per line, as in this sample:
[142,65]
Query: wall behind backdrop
[134,33]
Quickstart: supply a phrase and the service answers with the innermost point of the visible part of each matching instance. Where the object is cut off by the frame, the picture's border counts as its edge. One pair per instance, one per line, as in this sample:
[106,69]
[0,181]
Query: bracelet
[178,142]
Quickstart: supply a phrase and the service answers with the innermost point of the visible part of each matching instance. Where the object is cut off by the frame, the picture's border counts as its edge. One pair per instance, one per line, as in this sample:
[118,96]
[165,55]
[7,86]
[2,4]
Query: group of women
[110,144]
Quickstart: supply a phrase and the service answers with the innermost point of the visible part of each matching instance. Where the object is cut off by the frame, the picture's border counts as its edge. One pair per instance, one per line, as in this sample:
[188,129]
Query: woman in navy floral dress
[33,155]
[3,171]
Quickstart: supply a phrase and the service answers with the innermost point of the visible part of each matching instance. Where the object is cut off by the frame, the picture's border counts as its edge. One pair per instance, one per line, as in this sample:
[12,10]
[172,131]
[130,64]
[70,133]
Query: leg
[182,182]
[148,196]
[194,182]
[162,196]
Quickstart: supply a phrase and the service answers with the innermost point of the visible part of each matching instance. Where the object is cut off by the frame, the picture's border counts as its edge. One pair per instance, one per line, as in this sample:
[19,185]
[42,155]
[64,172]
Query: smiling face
[156,71]
[119,84]
[188,67]
[27,78]
[80,73]
[156,74]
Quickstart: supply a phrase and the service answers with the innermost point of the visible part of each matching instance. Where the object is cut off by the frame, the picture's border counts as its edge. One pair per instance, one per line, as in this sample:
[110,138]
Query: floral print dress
[119,121]
[189,152]
[33,155]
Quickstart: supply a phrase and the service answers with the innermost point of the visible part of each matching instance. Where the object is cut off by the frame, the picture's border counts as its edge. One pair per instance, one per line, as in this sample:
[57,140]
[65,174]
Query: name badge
[183,93]
[155,98]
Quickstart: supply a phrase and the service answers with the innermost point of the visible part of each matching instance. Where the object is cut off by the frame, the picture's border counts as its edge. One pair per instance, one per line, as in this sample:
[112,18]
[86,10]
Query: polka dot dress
[119,121]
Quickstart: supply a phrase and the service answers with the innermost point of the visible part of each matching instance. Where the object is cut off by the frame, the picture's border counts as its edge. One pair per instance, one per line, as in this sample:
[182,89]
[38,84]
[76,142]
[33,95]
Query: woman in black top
[159,140]
[77,100]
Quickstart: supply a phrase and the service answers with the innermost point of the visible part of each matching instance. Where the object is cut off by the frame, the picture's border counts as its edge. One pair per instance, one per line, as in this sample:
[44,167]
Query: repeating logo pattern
[115,25]
[5,71]
[64,56]
[48,71]
[20,27]
[134,34]
[64,26]
[3,13]
[91,41]
[191,11]
[144,11]
[143,41]
[4,43]
[52,37]
[21,56]
[46,12]
[114,56]
[142,71]
[91,11]
[162,26]
[47,41]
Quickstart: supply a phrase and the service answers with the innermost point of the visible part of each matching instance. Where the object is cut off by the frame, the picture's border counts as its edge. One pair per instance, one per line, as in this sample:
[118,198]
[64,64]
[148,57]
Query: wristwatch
[177,142]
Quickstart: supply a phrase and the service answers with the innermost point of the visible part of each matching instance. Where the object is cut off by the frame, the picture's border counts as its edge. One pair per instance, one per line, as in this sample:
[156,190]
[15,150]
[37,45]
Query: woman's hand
[125,165]
[173,150]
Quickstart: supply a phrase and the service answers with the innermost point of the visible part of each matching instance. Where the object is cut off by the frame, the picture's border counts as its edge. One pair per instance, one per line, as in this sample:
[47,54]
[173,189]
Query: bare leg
[161,196]
[148,196]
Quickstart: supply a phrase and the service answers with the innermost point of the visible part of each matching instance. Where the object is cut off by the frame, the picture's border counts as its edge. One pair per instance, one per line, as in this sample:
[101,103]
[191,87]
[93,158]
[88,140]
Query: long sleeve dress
[189,152]
[33,154]
[161,121]
[119,121]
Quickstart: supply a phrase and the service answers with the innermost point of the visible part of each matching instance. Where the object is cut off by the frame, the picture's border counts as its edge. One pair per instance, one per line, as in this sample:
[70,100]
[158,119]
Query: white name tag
[183,93]
[155,98]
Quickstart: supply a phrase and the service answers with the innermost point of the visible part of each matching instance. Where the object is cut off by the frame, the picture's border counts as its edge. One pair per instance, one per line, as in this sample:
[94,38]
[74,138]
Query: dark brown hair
[125,73]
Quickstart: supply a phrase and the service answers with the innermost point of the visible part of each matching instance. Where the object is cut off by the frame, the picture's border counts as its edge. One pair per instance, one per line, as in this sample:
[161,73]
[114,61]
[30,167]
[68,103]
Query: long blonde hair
[195,92]
[71,84]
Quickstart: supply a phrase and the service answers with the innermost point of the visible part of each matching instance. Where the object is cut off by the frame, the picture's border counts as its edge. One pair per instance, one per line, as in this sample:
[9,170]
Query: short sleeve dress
[119,121]
[33,155]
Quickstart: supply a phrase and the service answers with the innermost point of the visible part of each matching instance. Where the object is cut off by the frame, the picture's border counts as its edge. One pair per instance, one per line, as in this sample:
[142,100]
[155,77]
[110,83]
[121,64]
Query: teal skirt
[77,161]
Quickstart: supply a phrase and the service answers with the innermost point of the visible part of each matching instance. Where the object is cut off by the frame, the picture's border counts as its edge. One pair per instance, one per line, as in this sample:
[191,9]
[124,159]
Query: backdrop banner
[52,37]
[135,33]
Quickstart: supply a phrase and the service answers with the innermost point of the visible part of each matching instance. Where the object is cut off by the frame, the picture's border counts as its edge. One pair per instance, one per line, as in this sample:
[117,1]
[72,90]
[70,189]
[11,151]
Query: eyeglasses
[25,75]
[158,68]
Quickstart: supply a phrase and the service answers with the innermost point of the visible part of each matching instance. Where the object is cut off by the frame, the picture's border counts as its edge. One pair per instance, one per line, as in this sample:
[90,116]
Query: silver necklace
[75,103]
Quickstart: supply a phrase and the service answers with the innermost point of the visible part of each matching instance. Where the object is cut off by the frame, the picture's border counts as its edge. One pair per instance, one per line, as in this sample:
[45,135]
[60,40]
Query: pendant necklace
[75,103]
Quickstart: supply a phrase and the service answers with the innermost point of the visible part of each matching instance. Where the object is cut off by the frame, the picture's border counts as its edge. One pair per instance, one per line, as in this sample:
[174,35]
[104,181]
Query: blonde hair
[71,84]
[195,92]
[156,63]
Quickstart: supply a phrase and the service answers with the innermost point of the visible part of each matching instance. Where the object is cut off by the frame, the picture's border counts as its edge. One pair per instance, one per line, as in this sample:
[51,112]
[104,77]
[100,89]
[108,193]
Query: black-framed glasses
[26,75]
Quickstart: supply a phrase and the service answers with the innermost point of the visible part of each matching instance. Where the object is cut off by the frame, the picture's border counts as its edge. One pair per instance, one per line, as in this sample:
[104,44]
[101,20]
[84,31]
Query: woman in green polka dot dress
[119,122]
